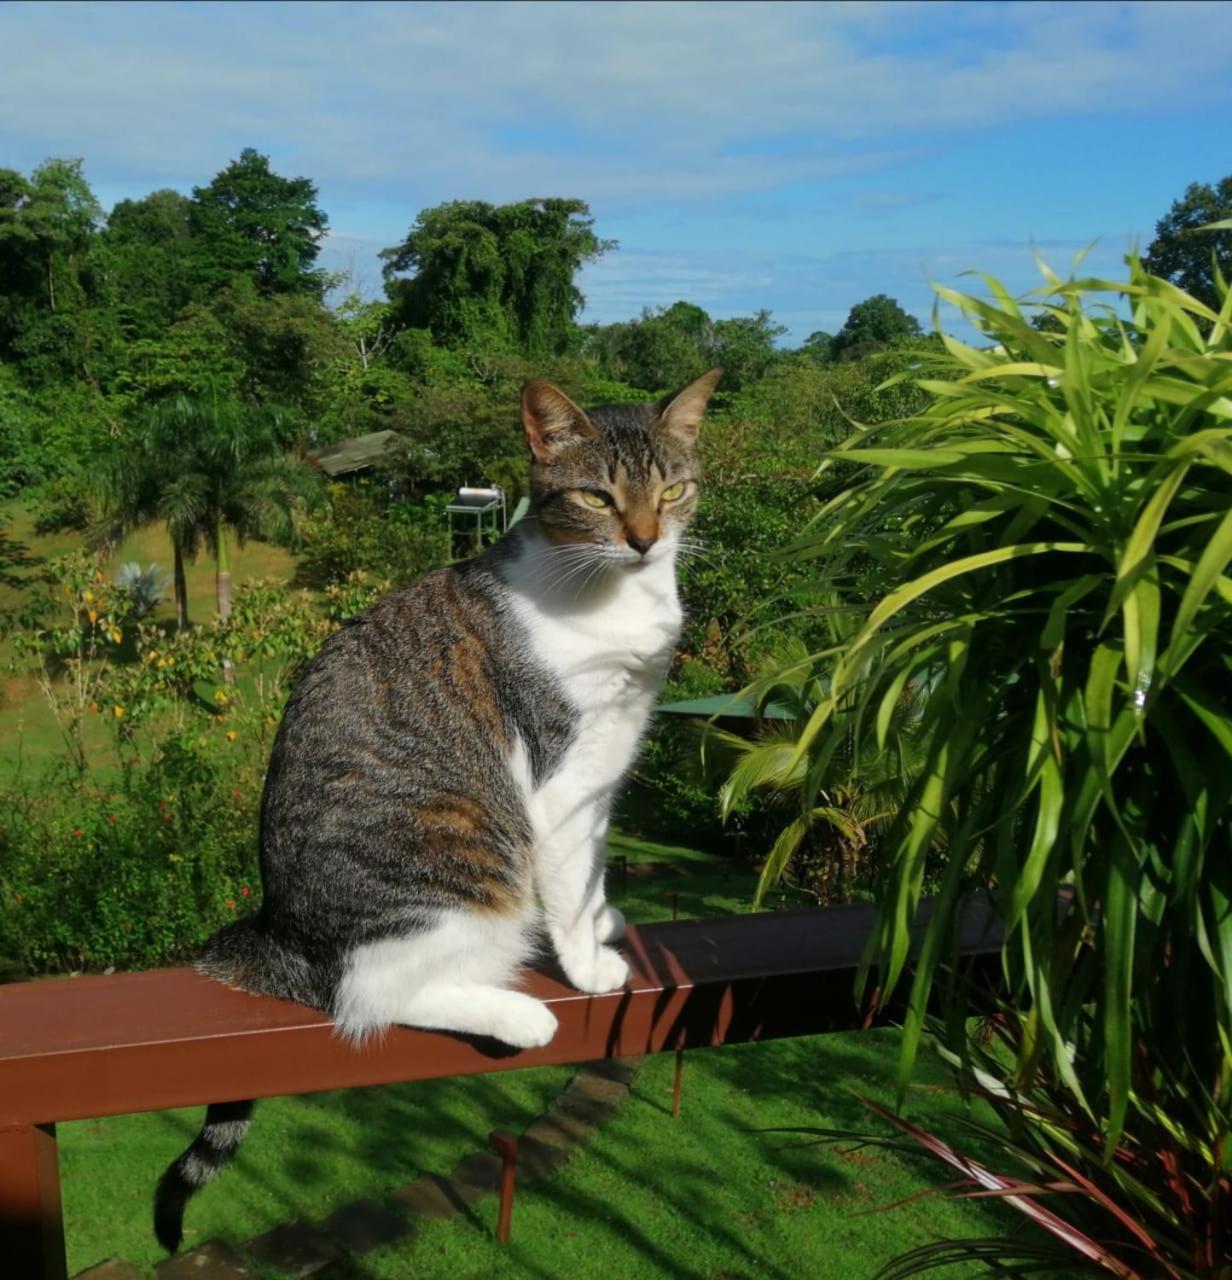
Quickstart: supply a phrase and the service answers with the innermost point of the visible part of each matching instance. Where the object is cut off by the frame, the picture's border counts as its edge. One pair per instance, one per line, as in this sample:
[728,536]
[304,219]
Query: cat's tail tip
[211,1151]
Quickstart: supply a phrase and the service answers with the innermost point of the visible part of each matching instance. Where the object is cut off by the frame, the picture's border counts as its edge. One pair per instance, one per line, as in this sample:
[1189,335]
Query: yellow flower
[92,614]
[232,735]
[115,636]
[118,712]
[220,697]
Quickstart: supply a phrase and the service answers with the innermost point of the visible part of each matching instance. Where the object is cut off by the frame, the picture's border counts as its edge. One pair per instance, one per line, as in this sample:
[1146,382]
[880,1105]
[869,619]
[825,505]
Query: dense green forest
[986,581]
[218,296]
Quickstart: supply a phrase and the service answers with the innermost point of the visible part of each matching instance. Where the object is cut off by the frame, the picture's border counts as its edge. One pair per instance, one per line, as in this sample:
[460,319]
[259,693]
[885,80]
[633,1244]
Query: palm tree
[143,482]
[203,467]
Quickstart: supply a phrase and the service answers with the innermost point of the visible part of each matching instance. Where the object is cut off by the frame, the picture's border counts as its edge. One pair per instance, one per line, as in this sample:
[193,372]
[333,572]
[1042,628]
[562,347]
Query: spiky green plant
[1051,538]
[863,789]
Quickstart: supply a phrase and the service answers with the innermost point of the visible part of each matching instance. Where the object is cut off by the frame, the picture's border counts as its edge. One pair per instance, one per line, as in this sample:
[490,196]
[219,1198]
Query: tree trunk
[181,591]
[223,576]
[224,592]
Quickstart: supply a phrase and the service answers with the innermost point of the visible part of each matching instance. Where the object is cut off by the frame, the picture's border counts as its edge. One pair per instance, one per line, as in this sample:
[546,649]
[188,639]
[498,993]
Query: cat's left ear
[681,414]
[551,420]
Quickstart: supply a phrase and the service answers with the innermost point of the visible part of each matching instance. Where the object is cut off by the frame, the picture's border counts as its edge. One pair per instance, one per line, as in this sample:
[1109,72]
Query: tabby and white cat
[440,785]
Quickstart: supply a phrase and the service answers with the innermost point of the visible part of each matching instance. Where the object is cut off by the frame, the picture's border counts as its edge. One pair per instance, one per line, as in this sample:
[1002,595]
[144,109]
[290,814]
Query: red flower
[230,904]
[236,793]
[111,818]
[245,891]
[77,831]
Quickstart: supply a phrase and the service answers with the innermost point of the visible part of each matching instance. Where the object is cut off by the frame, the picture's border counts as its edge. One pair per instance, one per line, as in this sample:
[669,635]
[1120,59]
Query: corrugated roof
[354,454]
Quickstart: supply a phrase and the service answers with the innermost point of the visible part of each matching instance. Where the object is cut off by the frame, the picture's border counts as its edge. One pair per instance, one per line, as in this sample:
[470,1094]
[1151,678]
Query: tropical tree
[744,346]
[1044,551]
[875,323]
[48,229]
[494,276]
[666,346]
[209,469]
[1186,254]
[251,222]
[148,251]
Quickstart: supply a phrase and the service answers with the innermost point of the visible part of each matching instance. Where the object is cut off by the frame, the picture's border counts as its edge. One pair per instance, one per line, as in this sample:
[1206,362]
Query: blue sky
[797,157]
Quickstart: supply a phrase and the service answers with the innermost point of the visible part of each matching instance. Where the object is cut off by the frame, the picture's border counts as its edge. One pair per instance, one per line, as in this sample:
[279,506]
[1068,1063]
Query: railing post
[506,1146]
[31,1223]
[677,1084]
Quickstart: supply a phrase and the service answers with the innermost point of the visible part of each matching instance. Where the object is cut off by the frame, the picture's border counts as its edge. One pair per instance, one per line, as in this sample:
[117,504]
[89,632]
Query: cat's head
[622,478]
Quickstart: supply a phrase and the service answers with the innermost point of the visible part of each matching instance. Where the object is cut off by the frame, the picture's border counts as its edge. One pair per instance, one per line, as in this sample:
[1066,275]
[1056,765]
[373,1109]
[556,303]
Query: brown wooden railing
[98,1046]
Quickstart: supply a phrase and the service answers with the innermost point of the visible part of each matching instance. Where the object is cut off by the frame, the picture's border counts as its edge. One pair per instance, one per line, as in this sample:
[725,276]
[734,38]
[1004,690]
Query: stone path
[325,1249]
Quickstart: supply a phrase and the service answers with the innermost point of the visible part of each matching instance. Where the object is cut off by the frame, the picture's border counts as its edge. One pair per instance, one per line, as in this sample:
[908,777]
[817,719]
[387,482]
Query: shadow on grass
[16,560]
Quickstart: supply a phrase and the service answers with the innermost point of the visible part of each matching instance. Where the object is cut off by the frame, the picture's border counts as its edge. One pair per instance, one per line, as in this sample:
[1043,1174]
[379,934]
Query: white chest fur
[610,649]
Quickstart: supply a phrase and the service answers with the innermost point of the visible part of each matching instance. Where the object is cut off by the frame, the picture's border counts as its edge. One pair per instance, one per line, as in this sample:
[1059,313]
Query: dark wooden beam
[98,1046]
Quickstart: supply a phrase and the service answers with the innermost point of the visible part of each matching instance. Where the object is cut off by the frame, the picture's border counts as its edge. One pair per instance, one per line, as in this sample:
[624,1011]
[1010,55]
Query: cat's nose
[640,545]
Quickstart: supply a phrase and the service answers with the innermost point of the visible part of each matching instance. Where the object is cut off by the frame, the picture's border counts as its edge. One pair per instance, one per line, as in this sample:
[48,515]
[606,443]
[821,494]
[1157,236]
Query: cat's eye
[593,498]
[672,492]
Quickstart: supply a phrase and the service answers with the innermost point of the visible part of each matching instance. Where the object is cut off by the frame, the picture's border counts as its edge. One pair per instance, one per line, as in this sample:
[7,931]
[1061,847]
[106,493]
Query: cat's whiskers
[586,557]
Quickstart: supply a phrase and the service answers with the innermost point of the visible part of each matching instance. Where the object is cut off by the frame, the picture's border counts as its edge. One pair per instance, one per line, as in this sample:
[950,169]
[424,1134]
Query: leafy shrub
[1053,535]
[359,532]
[129,875]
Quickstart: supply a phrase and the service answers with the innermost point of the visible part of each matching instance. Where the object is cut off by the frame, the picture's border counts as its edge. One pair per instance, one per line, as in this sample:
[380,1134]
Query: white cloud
[629,103]
[809,292]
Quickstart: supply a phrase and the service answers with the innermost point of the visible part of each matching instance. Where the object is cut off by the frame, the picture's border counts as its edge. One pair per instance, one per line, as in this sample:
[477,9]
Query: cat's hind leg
[451,976]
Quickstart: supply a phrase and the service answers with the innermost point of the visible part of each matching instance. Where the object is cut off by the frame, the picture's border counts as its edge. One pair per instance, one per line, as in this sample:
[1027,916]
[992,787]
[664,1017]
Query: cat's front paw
[609,924]
[529,1024]
[597,970]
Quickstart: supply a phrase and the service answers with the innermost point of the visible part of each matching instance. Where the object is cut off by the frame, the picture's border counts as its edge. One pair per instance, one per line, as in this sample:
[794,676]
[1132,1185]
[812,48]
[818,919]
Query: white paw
[595,970]
[530,1025]
[609,924]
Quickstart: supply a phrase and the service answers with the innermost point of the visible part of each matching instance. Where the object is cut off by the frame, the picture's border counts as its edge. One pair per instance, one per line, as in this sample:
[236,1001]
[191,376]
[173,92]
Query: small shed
[356,454]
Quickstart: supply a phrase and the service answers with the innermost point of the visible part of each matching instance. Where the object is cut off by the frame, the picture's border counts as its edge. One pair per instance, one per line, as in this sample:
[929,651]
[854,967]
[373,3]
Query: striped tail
[211,1151]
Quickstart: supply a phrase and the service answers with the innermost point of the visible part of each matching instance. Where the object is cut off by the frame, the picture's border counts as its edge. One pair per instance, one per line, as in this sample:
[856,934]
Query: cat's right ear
[551,420]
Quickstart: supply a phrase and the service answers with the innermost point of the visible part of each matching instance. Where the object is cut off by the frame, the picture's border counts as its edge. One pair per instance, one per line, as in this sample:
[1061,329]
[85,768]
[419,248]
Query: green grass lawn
[712,1196]
[709,1195]
[27,726]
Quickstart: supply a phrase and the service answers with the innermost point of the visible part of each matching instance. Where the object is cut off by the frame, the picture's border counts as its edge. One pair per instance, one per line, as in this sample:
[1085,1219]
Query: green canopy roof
[727,704]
